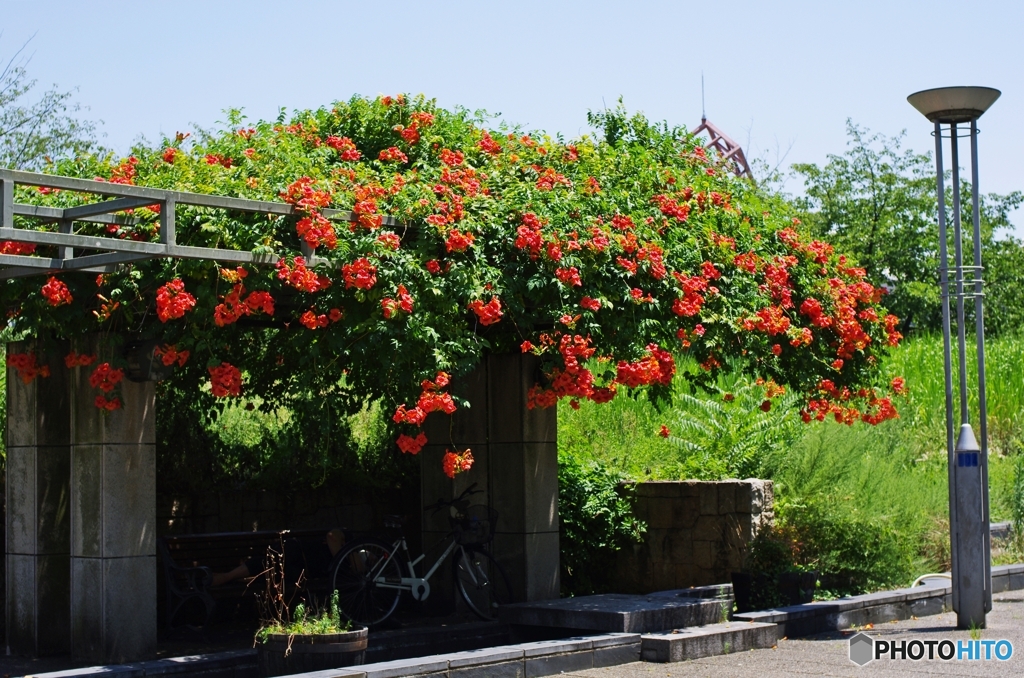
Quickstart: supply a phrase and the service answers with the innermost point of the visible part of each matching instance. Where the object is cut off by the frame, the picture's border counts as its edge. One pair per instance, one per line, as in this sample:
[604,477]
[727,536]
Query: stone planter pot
[789,588]
[282,655]
[797,587]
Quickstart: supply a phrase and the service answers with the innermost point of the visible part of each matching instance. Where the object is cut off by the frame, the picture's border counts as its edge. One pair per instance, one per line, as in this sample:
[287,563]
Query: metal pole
[946,350]
[979,338]
[958,248]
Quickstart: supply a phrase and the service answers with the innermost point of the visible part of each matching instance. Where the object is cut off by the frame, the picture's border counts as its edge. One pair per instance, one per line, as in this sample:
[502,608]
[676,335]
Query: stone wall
[697,532]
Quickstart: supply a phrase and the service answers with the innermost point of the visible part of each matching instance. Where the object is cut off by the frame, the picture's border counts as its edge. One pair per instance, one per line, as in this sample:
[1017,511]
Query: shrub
[597,520]
[728,433]
[852,553]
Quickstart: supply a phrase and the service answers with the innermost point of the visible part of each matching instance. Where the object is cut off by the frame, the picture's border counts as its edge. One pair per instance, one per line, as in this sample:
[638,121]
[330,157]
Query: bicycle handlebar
[441,503]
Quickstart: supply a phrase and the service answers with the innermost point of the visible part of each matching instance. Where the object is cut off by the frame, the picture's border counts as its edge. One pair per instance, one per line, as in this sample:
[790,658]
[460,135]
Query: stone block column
[113,523]
[38,503]
[515,464]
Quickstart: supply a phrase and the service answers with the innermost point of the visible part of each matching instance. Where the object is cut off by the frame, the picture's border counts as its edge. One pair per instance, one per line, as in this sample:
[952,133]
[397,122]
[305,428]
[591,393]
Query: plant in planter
[773,574]
[299,638]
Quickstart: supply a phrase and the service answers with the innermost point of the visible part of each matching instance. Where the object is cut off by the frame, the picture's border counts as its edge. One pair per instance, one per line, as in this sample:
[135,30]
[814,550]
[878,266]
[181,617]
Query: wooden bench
[188,561]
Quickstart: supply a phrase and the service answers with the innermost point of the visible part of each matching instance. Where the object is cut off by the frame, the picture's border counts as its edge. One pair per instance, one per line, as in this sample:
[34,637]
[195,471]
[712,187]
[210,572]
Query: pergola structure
[81,482]
[728,150]
[110,252]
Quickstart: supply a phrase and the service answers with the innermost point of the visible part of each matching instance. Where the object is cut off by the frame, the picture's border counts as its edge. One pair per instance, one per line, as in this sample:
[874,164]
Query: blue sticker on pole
[967,459]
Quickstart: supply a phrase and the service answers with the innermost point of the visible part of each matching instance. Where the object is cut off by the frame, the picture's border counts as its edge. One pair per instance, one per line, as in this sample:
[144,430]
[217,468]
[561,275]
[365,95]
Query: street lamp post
[958,109]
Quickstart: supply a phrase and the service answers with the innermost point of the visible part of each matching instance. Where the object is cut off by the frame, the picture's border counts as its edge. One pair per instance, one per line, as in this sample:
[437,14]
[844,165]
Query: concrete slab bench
[621,613]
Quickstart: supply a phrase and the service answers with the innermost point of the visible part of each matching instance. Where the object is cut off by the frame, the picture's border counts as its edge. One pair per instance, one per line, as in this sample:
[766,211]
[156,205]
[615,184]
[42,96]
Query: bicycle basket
[476,525]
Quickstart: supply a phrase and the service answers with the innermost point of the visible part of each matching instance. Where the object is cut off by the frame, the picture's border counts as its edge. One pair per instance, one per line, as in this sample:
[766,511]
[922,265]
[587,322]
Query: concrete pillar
[38,544]
[113,522]
[515,464]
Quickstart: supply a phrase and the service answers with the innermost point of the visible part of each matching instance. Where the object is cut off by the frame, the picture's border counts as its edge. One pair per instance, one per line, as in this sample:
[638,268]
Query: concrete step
[707,641]
[622,613]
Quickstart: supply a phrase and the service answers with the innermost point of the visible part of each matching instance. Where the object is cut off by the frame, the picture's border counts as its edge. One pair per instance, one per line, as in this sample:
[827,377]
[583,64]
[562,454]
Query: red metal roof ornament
[728,150]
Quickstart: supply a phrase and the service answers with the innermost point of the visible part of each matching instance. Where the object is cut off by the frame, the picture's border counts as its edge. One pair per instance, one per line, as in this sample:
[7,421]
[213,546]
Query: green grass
[890,478]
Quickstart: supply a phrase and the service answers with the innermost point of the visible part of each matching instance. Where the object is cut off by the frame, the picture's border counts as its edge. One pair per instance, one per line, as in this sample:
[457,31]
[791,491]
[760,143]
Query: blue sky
[779,75]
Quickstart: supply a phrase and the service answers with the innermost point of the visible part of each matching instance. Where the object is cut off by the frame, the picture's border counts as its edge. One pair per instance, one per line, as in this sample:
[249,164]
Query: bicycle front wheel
[482,582]
[366,581]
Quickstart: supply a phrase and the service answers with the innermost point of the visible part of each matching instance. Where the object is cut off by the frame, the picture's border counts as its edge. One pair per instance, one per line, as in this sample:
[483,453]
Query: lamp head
[954,104]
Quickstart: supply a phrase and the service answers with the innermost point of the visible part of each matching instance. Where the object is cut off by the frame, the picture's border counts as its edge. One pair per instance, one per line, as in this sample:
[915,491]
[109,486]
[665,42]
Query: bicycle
[368,576]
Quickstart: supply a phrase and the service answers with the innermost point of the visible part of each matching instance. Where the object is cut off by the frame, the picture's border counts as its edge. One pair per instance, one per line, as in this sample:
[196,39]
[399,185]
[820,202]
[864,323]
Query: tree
[877,202]
[36,132]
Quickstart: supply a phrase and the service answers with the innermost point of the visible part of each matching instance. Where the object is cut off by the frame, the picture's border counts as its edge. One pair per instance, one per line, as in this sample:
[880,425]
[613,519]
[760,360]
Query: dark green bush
[852,553]
[597,520]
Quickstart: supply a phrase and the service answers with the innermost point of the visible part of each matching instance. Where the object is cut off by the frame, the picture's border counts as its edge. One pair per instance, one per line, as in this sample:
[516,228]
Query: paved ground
[826,654]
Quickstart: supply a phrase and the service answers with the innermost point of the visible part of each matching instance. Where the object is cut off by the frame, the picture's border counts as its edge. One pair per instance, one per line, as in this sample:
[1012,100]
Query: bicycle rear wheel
[356,575]
[482,582]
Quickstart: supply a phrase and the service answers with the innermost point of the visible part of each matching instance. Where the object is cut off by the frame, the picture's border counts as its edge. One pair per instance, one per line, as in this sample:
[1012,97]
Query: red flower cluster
[488,313]
[410,445]
[403,302]
[75,360]
[11,247]
[528,236]
[346,149]
[657,367]
[300,277]
[314,228]
[312,321]
[411,134]
[225,380]
[432,399]
[488,145]
[101,402]
[622,222]
[365,207]
[317,230]
[170,153]
[664,432]
[459,242]
[747,261]
[569,276]
[234,307]
[390,240]
[172,301]
[360,274]
[590,304]
[818,251]
[837,402]
[25,365]
[124,172]
[456,462]
[217,159]
[169,354]
[671,207]
[452,158]
[105,377]
[549,178]
[693,299]
[574,381]
[393,154]
[56,293]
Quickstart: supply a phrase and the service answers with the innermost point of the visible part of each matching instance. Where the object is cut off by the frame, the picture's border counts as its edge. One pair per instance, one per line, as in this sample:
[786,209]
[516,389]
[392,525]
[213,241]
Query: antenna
[703,112]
